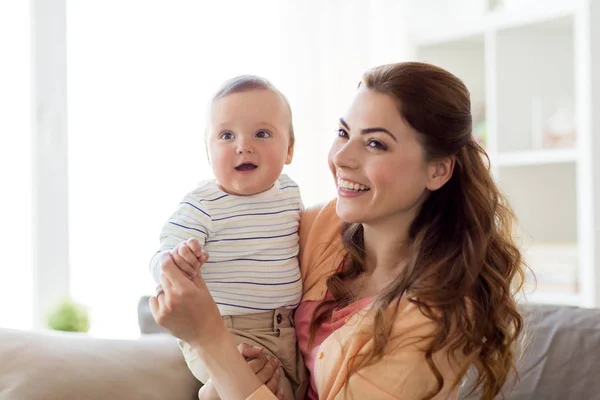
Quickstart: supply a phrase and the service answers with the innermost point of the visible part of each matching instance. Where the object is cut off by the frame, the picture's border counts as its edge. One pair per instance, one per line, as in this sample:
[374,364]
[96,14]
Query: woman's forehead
[371,108]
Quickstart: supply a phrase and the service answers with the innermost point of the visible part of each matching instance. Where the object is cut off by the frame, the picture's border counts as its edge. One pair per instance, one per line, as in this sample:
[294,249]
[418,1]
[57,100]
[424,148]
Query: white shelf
[532,72]
[534,157]
[495,21]
[570,299]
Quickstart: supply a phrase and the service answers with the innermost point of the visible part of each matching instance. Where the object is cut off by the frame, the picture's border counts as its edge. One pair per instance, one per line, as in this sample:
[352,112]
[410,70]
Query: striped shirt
[252,243]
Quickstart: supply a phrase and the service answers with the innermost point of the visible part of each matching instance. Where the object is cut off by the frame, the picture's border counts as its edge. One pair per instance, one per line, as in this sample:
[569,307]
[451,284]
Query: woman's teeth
[351,185]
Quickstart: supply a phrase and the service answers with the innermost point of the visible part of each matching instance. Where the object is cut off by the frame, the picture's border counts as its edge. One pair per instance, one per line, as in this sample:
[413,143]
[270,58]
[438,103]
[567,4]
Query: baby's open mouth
[246,167]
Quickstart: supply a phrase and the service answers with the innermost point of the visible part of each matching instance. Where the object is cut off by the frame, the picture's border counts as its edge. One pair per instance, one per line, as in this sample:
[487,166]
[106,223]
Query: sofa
[560,361]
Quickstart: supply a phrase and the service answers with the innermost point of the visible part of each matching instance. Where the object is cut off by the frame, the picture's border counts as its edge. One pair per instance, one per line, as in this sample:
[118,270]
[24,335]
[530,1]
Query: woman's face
[378,163]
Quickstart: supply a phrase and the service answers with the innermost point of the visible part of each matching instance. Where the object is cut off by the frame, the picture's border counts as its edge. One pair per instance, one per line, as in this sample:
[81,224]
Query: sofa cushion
[561,355]
[558,361]
[52,365]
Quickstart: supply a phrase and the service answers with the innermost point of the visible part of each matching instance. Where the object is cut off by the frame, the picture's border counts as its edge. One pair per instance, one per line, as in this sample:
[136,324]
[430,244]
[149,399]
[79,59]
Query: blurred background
[102,109]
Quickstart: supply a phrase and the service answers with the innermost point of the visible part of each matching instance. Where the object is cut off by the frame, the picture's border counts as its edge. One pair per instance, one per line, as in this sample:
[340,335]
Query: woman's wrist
[208,349]
[230,374]
[211,349]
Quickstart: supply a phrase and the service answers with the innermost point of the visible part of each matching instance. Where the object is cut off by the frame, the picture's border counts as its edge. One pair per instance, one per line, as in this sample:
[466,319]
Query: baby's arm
[191,220]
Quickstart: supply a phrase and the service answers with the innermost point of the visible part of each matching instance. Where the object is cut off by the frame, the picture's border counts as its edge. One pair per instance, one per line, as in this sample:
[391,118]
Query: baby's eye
[226,136]
[263,134]
[376,144]
[342,133]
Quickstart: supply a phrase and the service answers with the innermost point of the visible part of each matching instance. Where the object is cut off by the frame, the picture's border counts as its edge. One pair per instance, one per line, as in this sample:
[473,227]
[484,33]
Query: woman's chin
[348,213]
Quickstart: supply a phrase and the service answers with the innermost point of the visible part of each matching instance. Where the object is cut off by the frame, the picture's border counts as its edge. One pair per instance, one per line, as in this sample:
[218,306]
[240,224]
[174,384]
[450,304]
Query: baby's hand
[188,256]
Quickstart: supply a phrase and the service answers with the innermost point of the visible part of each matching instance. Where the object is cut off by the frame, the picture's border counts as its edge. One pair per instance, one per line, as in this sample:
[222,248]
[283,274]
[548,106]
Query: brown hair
[244,83]
[463,259]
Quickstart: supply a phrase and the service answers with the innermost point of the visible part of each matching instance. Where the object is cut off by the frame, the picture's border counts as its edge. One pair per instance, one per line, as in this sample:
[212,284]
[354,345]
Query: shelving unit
[535,157]
[534,76]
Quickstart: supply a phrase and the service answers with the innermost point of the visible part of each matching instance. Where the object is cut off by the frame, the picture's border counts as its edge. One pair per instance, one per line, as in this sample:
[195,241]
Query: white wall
[137,93]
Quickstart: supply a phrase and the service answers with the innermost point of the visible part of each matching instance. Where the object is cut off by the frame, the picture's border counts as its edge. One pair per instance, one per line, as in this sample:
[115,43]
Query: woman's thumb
[248,351]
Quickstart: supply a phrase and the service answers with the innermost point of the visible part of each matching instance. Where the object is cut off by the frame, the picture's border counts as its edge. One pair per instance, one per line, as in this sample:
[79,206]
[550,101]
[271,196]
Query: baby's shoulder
[206,190]
[286,182]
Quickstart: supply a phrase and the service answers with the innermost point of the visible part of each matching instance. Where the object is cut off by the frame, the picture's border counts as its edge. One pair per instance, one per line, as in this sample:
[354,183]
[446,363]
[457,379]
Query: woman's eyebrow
[369,130]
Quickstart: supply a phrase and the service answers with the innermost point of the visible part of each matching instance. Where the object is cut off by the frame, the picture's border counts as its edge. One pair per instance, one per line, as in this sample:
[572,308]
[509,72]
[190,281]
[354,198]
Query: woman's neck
[386,253]
[385,249]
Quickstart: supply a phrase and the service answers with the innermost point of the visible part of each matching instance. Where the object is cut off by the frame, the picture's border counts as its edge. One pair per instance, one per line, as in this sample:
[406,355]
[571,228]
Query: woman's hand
[264,366]
[188,311]
[186,308]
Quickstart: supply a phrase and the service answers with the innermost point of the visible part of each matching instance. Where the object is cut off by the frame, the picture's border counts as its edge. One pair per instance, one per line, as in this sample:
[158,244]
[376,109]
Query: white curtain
[16,293]
[139,76]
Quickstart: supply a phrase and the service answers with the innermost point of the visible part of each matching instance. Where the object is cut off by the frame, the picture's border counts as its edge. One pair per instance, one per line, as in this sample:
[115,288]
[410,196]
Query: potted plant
[68,316]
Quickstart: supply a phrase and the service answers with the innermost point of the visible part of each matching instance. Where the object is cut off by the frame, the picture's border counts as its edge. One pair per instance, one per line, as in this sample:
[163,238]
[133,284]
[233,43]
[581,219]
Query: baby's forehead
[251,105]
[260,96]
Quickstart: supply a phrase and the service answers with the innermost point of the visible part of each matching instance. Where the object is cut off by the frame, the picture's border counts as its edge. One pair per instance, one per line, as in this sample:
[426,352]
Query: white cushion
[53,365]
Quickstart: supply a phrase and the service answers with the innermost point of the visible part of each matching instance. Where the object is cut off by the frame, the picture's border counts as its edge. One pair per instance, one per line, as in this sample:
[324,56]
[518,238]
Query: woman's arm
[263,365]
[188,311]
[232,377]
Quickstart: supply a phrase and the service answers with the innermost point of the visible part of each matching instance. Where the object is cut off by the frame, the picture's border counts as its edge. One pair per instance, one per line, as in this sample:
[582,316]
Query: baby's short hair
[243,83]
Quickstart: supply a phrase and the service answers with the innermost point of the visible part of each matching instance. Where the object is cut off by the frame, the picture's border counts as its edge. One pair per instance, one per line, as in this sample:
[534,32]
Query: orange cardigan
[402,373]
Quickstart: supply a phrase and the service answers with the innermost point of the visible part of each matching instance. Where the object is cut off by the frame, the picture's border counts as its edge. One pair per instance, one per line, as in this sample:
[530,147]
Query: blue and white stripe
[252,243]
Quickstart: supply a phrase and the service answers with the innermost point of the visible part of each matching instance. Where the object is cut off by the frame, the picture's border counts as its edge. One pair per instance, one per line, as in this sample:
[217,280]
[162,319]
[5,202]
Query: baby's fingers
[182,264]
[194,245]
[188,255]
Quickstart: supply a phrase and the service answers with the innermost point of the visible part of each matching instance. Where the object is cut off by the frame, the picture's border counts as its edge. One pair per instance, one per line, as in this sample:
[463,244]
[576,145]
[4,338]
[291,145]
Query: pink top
[302,319]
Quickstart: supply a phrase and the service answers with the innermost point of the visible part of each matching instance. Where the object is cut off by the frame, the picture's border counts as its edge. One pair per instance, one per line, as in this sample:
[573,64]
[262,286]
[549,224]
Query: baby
[247,220]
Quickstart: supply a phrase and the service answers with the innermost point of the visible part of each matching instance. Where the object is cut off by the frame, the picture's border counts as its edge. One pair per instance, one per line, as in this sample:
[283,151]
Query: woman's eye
[263,134]
[226,136]
[342,133]
[376,144]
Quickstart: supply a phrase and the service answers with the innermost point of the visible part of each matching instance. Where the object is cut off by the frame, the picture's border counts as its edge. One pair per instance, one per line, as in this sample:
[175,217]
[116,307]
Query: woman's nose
[346,156]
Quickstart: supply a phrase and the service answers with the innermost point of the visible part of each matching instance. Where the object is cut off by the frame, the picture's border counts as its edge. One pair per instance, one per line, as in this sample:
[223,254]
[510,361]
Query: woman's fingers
[154,307]
[258,363]
[254,355]
[199,282]
[268,372]
[186,308]
[165,281]
[273,383]
[174,278]
[156,304]
[248,351]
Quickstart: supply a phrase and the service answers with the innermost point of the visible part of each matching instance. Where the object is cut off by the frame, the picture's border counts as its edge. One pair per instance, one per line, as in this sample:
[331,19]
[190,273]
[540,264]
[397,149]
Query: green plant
[68,316]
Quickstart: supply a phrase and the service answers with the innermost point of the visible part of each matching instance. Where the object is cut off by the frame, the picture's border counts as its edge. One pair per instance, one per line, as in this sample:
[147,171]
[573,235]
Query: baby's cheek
[275,157]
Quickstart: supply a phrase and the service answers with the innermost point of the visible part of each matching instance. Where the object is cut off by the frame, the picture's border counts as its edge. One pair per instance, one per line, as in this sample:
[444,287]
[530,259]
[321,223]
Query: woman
[417,288]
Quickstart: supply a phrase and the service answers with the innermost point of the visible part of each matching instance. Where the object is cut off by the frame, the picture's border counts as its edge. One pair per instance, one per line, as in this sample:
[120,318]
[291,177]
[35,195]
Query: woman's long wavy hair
[464,268]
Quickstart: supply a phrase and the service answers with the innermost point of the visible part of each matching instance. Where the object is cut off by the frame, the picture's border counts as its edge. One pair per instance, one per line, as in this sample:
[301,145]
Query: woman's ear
[440,172]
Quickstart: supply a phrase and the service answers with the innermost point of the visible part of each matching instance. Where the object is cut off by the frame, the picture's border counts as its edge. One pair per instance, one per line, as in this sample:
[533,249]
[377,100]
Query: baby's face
[248,141]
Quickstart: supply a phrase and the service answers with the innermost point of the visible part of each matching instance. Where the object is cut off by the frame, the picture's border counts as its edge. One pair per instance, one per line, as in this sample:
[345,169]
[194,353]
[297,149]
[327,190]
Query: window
[16,300]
